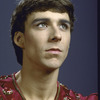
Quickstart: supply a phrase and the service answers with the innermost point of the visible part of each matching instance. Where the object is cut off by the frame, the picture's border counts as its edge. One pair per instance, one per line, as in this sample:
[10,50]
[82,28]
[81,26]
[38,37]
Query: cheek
[66,46]
[30,43]
[35,41]
[66,40]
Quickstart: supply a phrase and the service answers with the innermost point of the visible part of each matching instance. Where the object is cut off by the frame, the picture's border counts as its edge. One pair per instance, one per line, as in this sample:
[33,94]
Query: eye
[63,26]
[42,25]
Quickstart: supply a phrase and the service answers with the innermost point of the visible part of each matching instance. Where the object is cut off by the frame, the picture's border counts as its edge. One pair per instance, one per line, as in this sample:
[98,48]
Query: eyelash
[43,23]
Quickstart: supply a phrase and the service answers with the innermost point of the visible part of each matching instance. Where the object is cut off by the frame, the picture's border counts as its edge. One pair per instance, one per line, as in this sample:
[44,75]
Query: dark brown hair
[26,7]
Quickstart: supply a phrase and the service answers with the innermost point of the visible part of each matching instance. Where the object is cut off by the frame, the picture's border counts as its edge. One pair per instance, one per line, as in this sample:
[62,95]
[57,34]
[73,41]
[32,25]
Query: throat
[37,89]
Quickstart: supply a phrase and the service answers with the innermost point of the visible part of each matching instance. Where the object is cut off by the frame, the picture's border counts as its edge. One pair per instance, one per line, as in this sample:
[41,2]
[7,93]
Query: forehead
[54,16]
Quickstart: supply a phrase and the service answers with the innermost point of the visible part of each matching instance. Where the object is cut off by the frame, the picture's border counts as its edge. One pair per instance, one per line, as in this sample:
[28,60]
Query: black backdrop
[79,71]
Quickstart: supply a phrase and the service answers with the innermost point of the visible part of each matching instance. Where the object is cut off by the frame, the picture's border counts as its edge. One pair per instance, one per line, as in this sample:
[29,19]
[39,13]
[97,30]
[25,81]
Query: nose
[55,34]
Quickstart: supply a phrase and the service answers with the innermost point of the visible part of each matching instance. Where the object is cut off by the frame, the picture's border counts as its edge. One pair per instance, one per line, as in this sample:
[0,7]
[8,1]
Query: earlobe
[19,39]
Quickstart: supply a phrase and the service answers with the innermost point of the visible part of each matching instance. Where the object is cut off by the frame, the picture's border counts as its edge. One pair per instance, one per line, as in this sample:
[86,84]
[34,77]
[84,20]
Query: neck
[36,84]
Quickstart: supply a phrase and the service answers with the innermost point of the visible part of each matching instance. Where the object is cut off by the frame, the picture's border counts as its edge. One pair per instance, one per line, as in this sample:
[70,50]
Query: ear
[19,39]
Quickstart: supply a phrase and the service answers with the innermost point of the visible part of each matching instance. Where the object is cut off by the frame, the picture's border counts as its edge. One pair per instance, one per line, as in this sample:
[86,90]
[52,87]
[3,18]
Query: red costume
[9,90]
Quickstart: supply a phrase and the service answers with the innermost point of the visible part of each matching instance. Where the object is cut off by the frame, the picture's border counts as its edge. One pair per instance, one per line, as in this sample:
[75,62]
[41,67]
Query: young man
[41,32]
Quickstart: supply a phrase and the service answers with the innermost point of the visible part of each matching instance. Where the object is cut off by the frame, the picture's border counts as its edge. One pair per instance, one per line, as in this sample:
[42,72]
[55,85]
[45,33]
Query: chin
[53,65]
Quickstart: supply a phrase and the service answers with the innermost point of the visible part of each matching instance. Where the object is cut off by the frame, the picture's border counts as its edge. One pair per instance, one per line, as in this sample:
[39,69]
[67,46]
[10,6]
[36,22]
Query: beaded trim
[16,86]
[58,92]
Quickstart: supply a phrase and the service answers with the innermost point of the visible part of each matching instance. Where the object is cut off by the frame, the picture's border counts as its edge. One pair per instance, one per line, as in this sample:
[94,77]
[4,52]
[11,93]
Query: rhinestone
[7,91]
[65,98]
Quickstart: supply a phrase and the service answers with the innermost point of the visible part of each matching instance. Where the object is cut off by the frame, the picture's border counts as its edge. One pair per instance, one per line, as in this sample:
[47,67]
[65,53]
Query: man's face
[47,39]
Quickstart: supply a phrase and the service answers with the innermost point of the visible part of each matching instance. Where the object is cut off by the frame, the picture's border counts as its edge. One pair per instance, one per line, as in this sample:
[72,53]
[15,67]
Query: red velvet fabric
[9,90]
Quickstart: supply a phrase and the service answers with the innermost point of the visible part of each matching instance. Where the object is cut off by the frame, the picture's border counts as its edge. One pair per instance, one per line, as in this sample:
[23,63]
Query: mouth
[54,50]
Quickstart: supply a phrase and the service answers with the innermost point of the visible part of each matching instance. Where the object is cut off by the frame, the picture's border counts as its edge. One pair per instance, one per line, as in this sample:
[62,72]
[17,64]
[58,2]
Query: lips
[54,50]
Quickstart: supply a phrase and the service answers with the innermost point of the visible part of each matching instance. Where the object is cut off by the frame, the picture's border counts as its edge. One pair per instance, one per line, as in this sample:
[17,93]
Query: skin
[45,45]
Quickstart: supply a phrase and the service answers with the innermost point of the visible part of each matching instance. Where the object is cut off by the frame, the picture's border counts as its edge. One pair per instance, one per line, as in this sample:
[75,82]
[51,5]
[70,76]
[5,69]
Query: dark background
[79,71]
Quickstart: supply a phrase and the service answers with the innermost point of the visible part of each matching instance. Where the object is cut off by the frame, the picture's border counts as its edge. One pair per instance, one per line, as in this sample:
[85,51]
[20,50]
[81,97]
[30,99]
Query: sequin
[65,98]
[7,91]
[4,77]
[78,97]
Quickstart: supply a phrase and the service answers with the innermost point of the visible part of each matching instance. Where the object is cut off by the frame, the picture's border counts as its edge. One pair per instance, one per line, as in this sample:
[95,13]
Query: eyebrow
[40,20]
[47,20]
[65,21]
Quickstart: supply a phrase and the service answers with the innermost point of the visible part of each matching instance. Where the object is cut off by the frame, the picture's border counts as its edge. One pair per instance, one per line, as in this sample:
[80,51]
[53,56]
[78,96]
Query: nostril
[53,38]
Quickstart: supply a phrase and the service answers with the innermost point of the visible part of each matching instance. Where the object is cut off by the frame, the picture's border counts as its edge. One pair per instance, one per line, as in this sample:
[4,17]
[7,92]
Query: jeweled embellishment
[65,98]
[3,77]
[78,97]
[7,91]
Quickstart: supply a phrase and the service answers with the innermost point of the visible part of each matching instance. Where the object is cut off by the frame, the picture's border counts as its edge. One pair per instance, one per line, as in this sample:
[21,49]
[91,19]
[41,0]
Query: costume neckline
[21,94]
[17,87]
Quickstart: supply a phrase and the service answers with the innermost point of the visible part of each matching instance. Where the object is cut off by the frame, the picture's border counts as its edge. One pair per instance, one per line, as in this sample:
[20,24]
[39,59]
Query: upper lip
[54,49]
